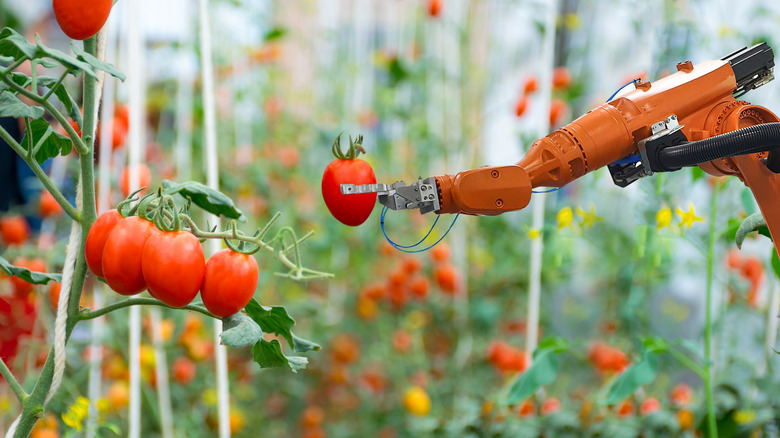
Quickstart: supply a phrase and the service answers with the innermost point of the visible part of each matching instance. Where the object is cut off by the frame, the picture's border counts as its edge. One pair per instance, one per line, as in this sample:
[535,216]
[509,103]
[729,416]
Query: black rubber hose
[750,140]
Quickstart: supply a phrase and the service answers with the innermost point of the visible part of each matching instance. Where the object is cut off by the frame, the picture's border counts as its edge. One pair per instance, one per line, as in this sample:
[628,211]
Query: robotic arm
[691,117]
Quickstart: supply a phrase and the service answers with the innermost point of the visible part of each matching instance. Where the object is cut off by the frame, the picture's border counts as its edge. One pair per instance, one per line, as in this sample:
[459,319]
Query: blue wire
[632,81]
[546,191]
[402,248]
[628,159]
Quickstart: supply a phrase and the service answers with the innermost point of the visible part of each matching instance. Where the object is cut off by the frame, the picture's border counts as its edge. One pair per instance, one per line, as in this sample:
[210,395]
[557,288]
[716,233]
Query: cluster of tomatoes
[561,81]
[506,358]
[607,359]
[132,255]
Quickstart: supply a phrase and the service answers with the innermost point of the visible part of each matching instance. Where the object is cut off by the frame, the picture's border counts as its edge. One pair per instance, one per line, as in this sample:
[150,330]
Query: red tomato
[550,406]
[96,240]
[530,85]
[561,79]
[419,287]
[122,255]
[14,229]
[402,341]
[21,287]
[229,283]
[344,348]
[625,408]
[118,134]
[521,106]
[48,206]
[447,278]
[526,409]
[557,110]
[173,267]
[434,8]
[440,253]
[122,116]
[682,395]
[54,294]
[144,179]
[411,264]
[607,359]
[183,370]
[649,405]
[81,19]
[350,210]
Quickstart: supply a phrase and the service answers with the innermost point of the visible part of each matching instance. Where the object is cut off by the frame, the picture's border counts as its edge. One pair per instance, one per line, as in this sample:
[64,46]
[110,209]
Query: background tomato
[81,19]
[21,287]
[173,267]
[144,178]
[96,240]
[48,206]
[122,255]
[229,283]
[14,229]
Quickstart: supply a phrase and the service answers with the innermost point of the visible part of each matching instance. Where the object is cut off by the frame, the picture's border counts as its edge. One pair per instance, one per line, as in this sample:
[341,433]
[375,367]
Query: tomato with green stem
[122,255]
[81,19]
[173,267]
[229,282]
[96,240]
[350,210]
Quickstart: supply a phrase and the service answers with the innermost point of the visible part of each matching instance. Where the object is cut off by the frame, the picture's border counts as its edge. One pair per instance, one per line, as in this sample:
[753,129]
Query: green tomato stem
[83,316]
[19,392]
[685,360]
[56,84]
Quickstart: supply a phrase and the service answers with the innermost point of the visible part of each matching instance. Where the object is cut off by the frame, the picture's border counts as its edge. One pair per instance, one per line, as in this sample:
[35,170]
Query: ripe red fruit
[122,255]
[625,408]
[183,370]
[350,210]
[173,267]
[682,395]
[550,406]
[419,287]
[531,85]
[81,19]
[144,178]
[434,8]
[440,253]
[607,359]
[96,240]
[229,283]
[649,405]
[14,229]
[447,278]
[561,79]
[21,287]
[521,106]
[48,206]
[557,109]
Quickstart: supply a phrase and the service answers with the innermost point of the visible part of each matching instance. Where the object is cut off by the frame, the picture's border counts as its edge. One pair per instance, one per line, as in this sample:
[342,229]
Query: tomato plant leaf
[269,355]
[204,197]
[775,262]
[639,374]
[20,79]
[62,94]
[11,106]
[75,65]
[240,330]
[53,143]
[276,320]
[275,34]
[14,45]
[542,371]
[28,275]
[98,64]
[301,345]
[754,222]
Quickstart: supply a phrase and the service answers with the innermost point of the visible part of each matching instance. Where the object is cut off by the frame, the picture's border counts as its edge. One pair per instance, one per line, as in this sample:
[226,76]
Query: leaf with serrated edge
[54,144]
[204,197]
[13,45]
[97,64]
[240,330]
[28,275]
[276,320]
[633,378]
[269,355]
[754,222]
[11,106]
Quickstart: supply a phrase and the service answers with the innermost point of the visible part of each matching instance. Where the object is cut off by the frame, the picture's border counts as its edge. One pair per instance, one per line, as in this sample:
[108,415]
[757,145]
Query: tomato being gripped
[122,255]
[173,267]
[96,240]
[350,210]
[230,282]
[81,19]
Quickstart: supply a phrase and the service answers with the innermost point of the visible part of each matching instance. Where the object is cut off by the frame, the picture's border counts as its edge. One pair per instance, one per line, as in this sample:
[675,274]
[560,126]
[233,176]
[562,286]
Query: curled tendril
[355,148]
[127,201]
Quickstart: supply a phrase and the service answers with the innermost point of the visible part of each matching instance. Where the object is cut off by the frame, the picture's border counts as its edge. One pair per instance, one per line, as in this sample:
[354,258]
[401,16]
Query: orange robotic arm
[676,121]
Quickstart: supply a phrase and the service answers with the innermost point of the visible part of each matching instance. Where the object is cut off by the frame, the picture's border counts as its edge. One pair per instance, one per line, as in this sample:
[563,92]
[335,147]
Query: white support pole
[537,220]
[135,80]
[161,372]
[212,180]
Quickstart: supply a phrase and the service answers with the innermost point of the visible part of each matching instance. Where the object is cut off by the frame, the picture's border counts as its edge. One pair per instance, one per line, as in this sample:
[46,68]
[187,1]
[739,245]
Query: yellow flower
[76,413]
[687,218]
[5,403]
[416,401]
[572,21]
[565,216]
[744,416]
[534,233]
[588,217]
[663,218]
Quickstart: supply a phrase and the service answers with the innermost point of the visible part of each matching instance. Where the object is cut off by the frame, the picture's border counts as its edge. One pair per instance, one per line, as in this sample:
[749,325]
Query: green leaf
[13,45]
[62,94]
[204,197]
[276,320]
[275,34]
[775,263]
[542,371]
[63,58]
[28,275]
[11,106]
[754,222]
[240,330]
[269,355]
[53,144]
[97,64]
[637,375]
[696,173]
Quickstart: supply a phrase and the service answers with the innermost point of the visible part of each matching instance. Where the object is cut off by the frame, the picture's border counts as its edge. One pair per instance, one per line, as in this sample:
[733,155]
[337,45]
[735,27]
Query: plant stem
[685,360]
[42,176]
[56,84]
[711,420]
[12,382]
[137,302]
